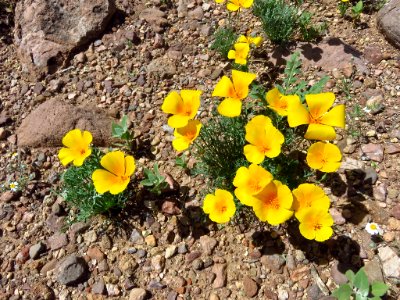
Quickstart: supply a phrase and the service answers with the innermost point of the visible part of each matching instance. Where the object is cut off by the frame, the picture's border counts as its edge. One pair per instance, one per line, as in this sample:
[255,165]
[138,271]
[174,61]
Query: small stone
[158,263]
[213,297]
[373,151]
[58,240]
[137,294]
[95,253]
[337,216]
[274,262]
[170,251]
[395,212]
[106,242]
[370,176]
[390,262]
[392,148]
[112,290]
[208,244]
[90,237]
[380,192]
[156,285]
[72,270]
[151,241]
[9,196]
[373,270]
[81,57]
[141,253]
[182,249]
[136,237]
[220,275]
[337,274]
[192,256]
[196,14]
[250,287]
[103,266]
[38,88]
[197,264]
[172,295]
[170,208]
[99,287]
[36,250]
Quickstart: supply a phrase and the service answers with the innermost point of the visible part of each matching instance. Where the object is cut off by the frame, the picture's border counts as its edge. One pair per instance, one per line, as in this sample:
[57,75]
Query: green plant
[181,161]
[357,10]
[154,181]
[281,21]
[224,38]
[78,190]
[121,131]
[360,288]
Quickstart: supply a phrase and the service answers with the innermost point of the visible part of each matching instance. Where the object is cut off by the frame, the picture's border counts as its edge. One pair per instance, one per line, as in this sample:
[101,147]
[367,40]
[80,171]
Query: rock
[95,253]
[196,14]
[337,216]
[380,192]
[373,54]
[99,287]
[182,249]
[170,208]
[370,176]
[155,17]
[57,241]
[163,67]
[390,262]
[172,295]
[170,251]
[50,121]
[274,262]
[151,240]
[220,275]
[388,21]
[373,270]
[36,250]
[330,54]
[156,285]
[395,212]
[158,263]
[250,287]
[192,256]
[72,270]
[9,196]
[197,264]
[46,32]
[112,290]
[136,237]
[137,294]
[339,276]
[392,148]
[373,151]
[208,244]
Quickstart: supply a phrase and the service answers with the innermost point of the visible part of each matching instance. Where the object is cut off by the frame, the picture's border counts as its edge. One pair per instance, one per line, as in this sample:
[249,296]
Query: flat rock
[373,270]
[390,262]
[46,125]
[57,241]
[155,17]
[36,250]
[137,294]
[388,21]
[373,151]
[46,32]
[220,275]
[72,270]
[250,287]
[208,244]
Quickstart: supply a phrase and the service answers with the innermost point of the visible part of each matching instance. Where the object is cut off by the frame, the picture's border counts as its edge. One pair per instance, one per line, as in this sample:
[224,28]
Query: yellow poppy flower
[184,136]
[220,207]
[219,1]
[324,157]
[234,5]
[273,204]
[278,102]
[316,224]
[264,139]
[320,120]
[117,174]
[257,40]
[240,53]
[76,148]
[250,181]
[233,91]
[309,195]
[183,107]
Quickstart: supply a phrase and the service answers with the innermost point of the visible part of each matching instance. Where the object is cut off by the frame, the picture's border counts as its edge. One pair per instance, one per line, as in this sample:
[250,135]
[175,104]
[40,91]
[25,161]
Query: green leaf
[146,182]
[361,282]
[350,275]
[379,289]
[343,292]
[361,297]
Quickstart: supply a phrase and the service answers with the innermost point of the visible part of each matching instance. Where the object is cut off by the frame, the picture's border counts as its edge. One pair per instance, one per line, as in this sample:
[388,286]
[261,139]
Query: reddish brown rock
[47,31]
[250,287]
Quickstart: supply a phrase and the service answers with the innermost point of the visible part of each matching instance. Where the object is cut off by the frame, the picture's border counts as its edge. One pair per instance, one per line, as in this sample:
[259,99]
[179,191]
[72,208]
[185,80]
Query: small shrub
[154,181]
[224,38]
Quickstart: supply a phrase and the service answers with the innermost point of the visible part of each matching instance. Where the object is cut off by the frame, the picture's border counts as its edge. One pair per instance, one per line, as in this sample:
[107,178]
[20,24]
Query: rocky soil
[162,249]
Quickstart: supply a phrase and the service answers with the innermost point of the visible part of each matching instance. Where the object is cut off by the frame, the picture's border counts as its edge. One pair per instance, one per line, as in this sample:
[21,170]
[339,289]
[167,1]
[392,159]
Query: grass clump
[224,38]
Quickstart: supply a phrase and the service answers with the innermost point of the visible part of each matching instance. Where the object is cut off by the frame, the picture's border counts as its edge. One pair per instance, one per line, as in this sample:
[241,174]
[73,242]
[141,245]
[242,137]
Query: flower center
[223,209]
[317,226]
[373,226]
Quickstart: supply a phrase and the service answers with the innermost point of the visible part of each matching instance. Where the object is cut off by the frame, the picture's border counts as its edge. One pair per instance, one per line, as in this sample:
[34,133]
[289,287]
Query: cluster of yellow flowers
[242,48]
[118,167]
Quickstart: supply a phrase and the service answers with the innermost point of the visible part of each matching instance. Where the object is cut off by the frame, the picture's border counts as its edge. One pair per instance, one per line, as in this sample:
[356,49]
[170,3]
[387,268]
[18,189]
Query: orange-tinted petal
[103,180]
[114,162]
[230,107]
[318,104]
[297,113]
[320,132]
[224,88]
[241,82]
[335,117]
[172,103]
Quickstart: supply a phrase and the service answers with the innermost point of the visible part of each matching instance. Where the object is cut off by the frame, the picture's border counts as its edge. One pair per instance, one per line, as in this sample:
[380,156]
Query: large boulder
[389,21]
[50,121]
[46,31]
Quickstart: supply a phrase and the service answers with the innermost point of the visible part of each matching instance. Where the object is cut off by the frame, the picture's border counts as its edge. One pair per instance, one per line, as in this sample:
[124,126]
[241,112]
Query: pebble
[274,262]
[197,264]
[337,216]
[182,249]
[208,244]
[36,250]
[373,151]
[390,262]
[136,237]
[99,287]
[72,270]
[156,285]
[170,251]
[158,263]
[95,253]
[250,287]
[151,241]
[137,294]
[220,275]
[57,241]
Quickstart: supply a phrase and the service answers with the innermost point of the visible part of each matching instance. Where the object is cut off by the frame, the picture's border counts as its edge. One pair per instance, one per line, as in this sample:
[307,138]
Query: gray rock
[36,250]
[46,125]
[57,241]
[136,237]
[99,287]
[72,270]
[46,32]
[338,275]
[155,17]
[390,262]
[137,294]
[370,176]
[388,21]
[197,264]
[373,270]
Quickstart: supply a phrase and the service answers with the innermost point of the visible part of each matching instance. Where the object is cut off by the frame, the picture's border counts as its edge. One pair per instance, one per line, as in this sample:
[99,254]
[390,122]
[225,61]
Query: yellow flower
[324,157]
[309,195]
[273,204]
[279,102]
[250,181]
[184,136]
[183,107]
[77,147]
[345,0]
[240,53]
[257,40]
[117,174]
[315,224]
[233,91]
[321,122]
[219,1]
[220,207]
[234,5]
[264,139]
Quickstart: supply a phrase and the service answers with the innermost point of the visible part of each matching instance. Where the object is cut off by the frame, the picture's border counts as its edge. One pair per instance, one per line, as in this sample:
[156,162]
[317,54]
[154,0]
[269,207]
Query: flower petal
[130,165]
[87,137]
[320,132]
[80,158]
[246,3]
[297,113]
[231,54]
[66,155]
[73,138]
[208,203]
[224,88]
[323,234]
[307,231]
[318,104]
[191,101]
[232,7]
[119,187]
[253,154]
[103,180]
[335,117]
[172,103]
[178,121]
[230,107]
[244,197]
[114,162]
[241,82]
